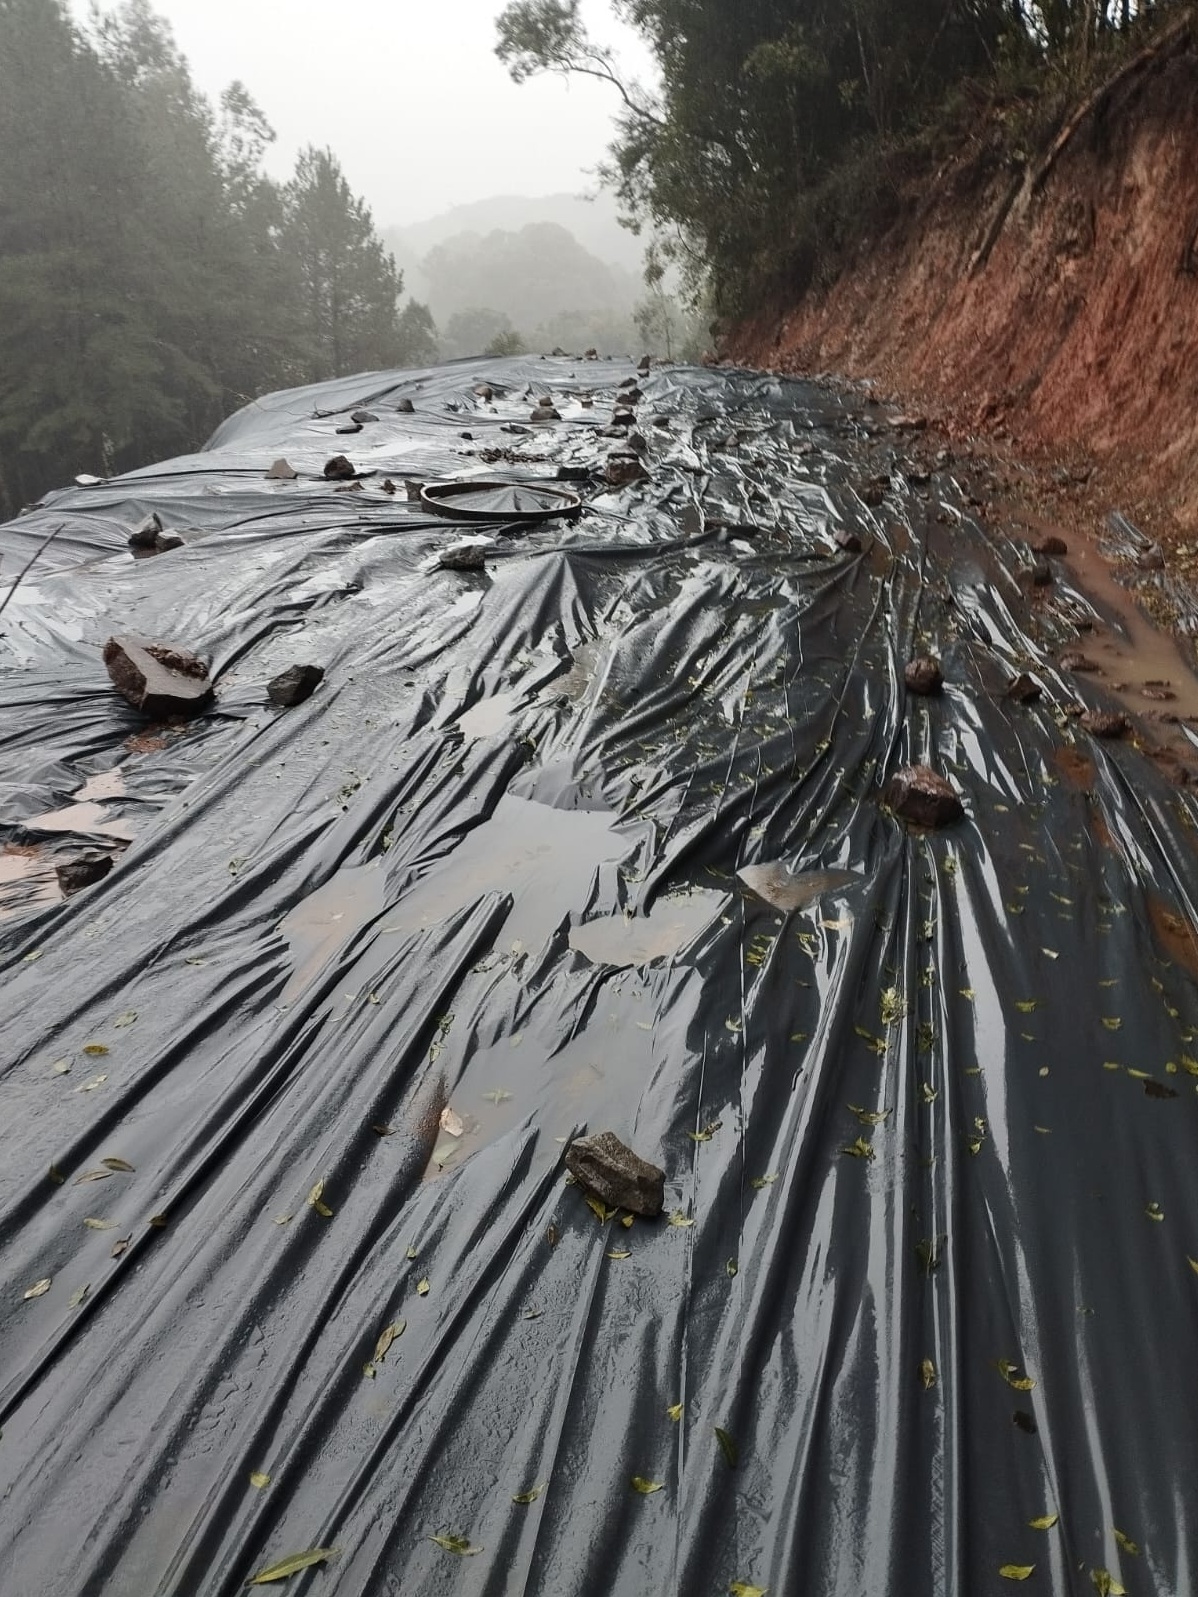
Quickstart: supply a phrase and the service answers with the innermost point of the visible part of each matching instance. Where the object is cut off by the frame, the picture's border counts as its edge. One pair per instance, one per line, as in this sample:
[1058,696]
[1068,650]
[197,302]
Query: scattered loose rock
[160,679]
[339,469]
[350,427]
[1041,573]
[1050,546]
[923,674]
[405,407]
[467,554]
[282,471]
[145,535]
[615,1175]
[361,416]
[1024,689]
[919,795]
[1105,723]
[622,470]
[167,541]
[848,540]
[1074,660]
[83,872]
[485,392]
[293,686]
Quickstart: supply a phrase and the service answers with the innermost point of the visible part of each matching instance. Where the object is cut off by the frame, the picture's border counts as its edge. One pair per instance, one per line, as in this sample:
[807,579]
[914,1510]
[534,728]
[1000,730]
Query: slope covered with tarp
[288,1258]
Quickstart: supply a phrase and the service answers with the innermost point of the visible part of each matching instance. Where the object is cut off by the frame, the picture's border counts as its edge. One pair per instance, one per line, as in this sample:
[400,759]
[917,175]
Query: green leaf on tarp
[859,1149]
[707,1133]
[1126,1543]
[383,1131]
[878,1044]
[122,1165]
[57,1179]
[422,1288]
[618,1253]
[38,1289]
[1027,1006]
[260,1480]
[679,1219]
[95,1050]
[1045,1521]
[727,1447]
[412,1254]
[870,1117]
[92,1084]
[79,1297]
[1154,1211]
[1106,1585]
[599,1209]
[455,1544]
[1193,1264]
[1021,1383]
[524,1498]
[1111,1022]
[1017,1571]
[928,1093]
[645,1487]
[93,1224]
[292,1566]
[127,1019]
[315,1201]
[758,1183]
[61,1067]
[387,1336]
[927,1375]
[740,1588]
[675,1411]
[894,1006]
[733,1269]
[497,1097]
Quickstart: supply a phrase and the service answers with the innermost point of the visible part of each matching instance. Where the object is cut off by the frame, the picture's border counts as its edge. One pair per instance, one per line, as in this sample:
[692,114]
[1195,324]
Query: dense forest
[151,277]
[781,128]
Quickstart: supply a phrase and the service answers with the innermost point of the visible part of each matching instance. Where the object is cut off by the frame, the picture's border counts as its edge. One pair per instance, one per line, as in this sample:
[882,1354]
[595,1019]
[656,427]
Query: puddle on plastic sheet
[87,817]
[670,926]
[545,858]
[489,717]
[28,880]
[325,921]
[777,887]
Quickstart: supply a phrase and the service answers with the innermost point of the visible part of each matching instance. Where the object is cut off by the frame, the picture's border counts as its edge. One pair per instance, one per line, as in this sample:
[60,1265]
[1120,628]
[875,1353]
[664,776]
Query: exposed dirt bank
[1053,312]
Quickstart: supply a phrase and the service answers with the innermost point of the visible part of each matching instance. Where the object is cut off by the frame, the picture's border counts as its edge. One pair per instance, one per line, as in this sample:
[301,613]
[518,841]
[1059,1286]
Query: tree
[349,285]
[473,331]
[418,341]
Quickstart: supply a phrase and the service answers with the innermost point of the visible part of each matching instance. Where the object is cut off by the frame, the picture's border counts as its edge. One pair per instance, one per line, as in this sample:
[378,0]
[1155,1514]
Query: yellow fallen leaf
[95,1050]
[456,1544]
[388,1335]
[646,1488]
[618,1253]
[679,1219]
[260,1480]
[38,1289]
[93,1224]
[121,1165]
[422,1288]
[599,1209]
[524,1498]
[315,1201]
[1017,1571]
[1127,1544]
[1106,1585]
[1045,1521]
[740,1588]
[1193,1263]
[927,1375]
[292,1566]
[675,1412]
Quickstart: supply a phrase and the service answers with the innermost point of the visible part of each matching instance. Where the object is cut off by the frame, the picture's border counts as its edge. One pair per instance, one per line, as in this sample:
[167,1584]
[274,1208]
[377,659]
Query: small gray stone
[339,469]
[623,470]
[405,407]
[282,471]
[350,427]
[361,416]
[615,1175]
[293,686]
[919,795]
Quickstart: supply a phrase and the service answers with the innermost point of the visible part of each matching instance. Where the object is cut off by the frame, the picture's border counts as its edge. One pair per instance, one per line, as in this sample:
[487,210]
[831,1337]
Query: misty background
[205,200]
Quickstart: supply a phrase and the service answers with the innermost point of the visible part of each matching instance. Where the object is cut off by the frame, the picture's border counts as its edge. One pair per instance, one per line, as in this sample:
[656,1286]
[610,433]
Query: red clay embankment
[1073,325]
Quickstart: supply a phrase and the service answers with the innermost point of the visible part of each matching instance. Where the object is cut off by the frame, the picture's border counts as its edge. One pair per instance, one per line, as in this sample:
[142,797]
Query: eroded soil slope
[1075,326]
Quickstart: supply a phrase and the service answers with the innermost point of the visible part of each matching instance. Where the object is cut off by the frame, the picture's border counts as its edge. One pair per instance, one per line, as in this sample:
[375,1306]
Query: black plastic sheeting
[928,1133]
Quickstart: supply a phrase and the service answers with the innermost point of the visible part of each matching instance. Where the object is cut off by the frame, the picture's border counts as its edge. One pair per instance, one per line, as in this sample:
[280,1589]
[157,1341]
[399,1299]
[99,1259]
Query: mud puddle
[489,717]
[323,923]
[90,818]
[544,858]
[28,880]
[775,884]
[669,927]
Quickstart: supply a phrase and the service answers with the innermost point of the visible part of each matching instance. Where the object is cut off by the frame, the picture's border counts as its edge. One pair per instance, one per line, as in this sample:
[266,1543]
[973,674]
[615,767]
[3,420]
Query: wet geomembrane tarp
[294,1081]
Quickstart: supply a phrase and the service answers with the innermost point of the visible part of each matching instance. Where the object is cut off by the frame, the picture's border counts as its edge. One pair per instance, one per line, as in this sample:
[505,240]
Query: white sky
[407,93]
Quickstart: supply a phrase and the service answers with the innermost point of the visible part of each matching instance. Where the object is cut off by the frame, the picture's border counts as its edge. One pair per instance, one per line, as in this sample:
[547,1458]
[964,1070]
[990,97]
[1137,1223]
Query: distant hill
[594,223]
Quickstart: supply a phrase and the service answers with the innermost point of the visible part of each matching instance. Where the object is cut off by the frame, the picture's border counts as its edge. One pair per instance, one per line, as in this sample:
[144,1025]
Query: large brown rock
[160,679]
[919,795]
[83,871]
[923,674]
[1105,723]
[614,1174]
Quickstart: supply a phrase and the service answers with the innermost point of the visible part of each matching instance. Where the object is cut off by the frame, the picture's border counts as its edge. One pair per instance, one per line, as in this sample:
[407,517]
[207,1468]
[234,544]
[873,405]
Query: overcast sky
[407,93]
